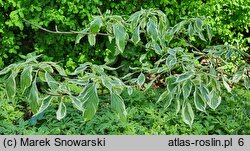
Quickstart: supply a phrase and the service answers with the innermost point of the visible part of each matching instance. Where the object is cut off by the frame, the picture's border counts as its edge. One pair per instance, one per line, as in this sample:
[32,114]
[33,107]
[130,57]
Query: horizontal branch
[63,32]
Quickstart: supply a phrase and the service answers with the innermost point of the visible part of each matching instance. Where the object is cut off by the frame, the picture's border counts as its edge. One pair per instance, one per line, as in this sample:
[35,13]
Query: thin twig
[63,32]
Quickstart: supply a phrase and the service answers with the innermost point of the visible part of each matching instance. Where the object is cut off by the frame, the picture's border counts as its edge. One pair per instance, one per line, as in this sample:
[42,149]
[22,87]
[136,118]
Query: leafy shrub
[185,69]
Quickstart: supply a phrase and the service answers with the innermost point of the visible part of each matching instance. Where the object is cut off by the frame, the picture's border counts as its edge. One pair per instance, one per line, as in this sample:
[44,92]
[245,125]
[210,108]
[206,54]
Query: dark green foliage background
[229,20]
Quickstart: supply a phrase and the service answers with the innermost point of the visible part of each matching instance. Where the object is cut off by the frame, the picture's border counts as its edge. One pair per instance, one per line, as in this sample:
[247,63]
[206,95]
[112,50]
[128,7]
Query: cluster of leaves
[187,70]
[44,82]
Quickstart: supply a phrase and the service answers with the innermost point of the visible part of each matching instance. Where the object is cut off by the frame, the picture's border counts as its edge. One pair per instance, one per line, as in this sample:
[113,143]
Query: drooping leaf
[187,88]
[117,104]
[45,104]
[199,102]
[90,101]
[152,29]
[167,97]
[79,81]
[92,39]
[59,69]
[141,79]
[215,100]
[190,30]
[120,36]
[130,90]
[171,85]
[77,102]
[53,84]
[136,35]
[205,92]
[247,83]
[26,78]
[188,114]
[80,36]
[238,75]
[62,111]
[226,85]
[163,96]
[171,61]
[33,97]
[6,69]
[81,68]
[209,33]
[10,84]
[184,76]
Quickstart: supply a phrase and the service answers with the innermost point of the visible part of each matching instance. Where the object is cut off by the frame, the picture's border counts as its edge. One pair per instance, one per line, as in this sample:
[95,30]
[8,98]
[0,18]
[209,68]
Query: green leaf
[130,90]
[190,30]
[184,76]
[199,102]
[136,35]
[46,67]
[152,29]
[26,78]
[171,61]
[120,36]
[59,69]
[198,24]
[141,79]
[77,102]
[205,92]
[215,100]
[171,85]
[163,96]
[79,81]
[10,84]
[45,104]
[201,36]
[187,88]
[81,68]
[80,36]
[209,33]
[117,104]
[226,84]
[167,97]
[62,111]
[90,101]
[238,75]
[51,81]
[92,39]
[33,97]
[96,24]
[188,114]
[7,69]
[247,83]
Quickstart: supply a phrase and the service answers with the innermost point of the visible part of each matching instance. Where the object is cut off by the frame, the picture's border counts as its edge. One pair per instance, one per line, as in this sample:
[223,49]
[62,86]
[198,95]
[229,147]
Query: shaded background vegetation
[229,20]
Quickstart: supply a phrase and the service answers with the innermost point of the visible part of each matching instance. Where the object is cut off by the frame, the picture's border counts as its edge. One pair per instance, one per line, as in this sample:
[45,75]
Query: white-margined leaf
[46,67]
[209,32]
[53,84]
[45,104]
[130,90]
[81,68]
[136,35]
[96,24]
[33,97]
[80,36]
[10,85]
[226,85]
[77,102]
[90,101]
[152,29]
[187,114]
[92,39]
[62,110]
[247,83]
[141,79]
[171,61]
[120,36]
[184,76]
[215,100]
[79,81]
[26,78]
[199,101]
[59,69]
[187,88]
[117,104]
[205,92]
[7,69]
[190,30]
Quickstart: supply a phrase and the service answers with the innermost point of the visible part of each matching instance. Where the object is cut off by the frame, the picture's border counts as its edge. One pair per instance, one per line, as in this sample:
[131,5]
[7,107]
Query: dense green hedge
[229,20]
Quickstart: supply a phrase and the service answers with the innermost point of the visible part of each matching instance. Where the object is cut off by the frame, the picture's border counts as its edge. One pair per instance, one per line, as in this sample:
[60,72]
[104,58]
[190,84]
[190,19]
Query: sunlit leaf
[117,104]
[199,102]
[62,111]
[120,36]
[188,114]
[141,79]
[77,102]
[184,76]
[45,104]
[92,39]
[215,100]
